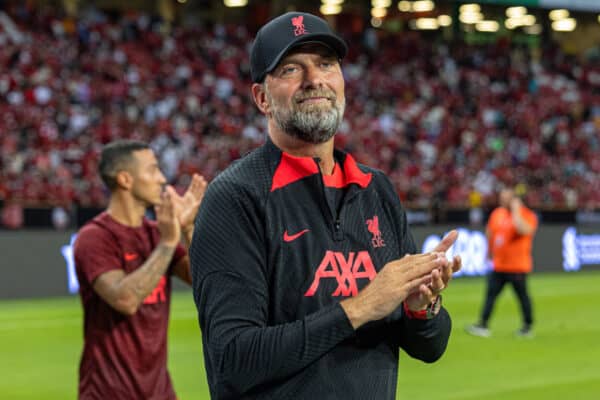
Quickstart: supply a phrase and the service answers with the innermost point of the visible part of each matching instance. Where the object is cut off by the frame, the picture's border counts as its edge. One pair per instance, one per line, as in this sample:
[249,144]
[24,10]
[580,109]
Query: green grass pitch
[40,344]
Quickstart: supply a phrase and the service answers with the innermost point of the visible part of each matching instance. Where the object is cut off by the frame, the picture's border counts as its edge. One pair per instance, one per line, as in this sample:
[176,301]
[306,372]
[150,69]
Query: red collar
[336,179]
[292,169]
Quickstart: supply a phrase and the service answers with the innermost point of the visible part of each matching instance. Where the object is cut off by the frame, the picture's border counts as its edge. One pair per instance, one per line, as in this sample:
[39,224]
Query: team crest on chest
[373,227]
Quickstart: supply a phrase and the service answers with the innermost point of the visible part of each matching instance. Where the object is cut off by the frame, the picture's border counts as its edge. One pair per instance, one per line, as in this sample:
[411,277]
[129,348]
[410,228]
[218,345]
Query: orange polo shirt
[510,251]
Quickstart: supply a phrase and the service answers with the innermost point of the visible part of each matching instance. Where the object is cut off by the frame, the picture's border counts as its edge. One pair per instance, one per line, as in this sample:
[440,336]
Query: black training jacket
[272,256]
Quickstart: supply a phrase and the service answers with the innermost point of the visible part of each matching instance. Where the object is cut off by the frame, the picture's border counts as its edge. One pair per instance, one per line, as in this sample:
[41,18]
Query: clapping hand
[440,277]
[186,206]
[166,218]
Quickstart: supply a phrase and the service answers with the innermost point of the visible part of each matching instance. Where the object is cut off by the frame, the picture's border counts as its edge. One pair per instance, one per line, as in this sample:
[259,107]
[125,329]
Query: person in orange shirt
[510,232]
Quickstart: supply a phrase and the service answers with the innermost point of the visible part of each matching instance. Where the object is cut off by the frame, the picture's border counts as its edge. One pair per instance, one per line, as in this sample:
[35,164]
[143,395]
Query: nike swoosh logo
[130,256]
[290,238]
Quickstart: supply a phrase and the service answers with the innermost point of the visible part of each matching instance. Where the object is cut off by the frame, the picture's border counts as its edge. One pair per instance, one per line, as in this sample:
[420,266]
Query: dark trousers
[496,281]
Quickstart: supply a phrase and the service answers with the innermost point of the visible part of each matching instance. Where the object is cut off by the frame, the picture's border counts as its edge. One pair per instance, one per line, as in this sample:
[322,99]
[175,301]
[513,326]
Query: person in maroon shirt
[124,262]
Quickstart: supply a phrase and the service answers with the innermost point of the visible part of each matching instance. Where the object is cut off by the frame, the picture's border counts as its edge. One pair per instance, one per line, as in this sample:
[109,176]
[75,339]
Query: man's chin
[154,202]
[311,137]
[316,108]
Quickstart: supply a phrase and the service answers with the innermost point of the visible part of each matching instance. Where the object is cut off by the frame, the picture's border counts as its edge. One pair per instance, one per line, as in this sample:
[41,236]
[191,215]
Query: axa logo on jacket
[345,270]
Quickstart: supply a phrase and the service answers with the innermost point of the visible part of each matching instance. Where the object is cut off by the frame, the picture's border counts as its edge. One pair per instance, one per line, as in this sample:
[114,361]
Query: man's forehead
[144,155]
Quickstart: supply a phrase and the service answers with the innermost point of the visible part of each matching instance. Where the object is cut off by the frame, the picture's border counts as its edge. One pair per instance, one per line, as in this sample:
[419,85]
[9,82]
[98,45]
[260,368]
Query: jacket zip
[335,223]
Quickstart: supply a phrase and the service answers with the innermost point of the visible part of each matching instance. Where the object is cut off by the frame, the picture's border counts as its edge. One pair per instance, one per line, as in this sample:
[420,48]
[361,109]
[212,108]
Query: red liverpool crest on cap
[298,23]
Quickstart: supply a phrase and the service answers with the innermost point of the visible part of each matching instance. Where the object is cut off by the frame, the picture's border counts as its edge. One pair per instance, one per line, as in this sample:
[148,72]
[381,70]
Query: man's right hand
[168,223]
[393,284]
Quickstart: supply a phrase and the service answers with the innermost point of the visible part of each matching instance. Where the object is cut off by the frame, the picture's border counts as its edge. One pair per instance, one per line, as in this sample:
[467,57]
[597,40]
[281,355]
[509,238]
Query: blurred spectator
[12,216]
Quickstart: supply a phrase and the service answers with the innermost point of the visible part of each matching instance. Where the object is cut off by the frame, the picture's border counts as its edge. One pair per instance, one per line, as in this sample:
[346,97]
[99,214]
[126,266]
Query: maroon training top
[124,357]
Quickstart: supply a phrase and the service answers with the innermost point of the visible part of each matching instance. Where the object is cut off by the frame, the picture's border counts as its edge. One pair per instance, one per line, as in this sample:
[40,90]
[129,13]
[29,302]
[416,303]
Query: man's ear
[124,180]
[260,97]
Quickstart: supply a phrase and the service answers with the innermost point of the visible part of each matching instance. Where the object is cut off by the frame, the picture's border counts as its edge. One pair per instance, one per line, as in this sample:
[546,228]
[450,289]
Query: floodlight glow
[470,17]
[444,20]
[487,26]
[470,8]
[376,22]
[404,6]
[426,24]
[528,20]
[565,25]
[330,9]
[378,12]
[381,3]
[235,3]
[556,15]
[512,12]
[423,6]
[512,23]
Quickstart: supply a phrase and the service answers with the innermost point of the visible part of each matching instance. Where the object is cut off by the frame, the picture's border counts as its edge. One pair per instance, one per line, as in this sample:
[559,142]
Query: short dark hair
[115,157]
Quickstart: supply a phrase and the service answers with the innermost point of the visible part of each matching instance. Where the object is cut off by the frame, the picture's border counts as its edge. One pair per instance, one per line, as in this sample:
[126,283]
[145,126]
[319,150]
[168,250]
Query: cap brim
[333,42]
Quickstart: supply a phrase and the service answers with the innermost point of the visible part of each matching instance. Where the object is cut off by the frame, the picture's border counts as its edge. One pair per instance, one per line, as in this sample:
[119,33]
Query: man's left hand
[186,206]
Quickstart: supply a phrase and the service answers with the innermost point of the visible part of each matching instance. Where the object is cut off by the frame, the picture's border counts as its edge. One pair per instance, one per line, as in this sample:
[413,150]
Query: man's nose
[313,77]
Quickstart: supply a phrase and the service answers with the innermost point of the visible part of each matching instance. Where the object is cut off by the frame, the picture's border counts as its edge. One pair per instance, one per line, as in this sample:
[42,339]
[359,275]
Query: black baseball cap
[282,33]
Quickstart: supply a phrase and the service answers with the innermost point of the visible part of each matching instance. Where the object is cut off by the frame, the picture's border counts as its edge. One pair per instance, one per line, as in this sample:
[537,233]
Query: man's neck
[125,210]
[300,148]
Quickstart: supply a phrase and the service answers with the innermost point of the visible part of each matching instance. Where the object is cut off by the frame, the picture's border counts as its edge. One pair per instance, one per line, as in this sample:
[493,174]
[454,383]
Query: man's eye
[288,70]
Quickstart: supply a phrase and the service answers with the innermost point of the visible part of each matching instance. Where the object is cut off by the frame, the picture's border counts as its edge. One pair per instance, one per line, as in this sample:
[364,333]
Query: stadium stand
[446,120]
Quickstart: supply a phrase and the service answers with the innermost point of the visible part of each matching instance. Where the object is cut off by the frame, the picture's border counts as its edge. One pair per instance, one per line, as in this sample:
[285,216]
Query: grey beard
[315,125]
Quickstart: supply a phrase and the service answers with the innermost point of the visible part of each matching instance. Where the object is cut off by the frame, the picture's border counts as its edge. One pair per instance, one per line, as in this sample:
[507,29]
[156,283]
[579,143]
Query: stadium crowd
[446,121]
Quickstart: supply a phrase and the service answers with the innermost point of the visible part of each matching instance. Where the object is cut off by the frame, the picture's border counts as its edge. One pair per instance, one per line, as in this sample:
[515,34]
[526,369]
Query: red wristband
[422,314]
[431,311]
